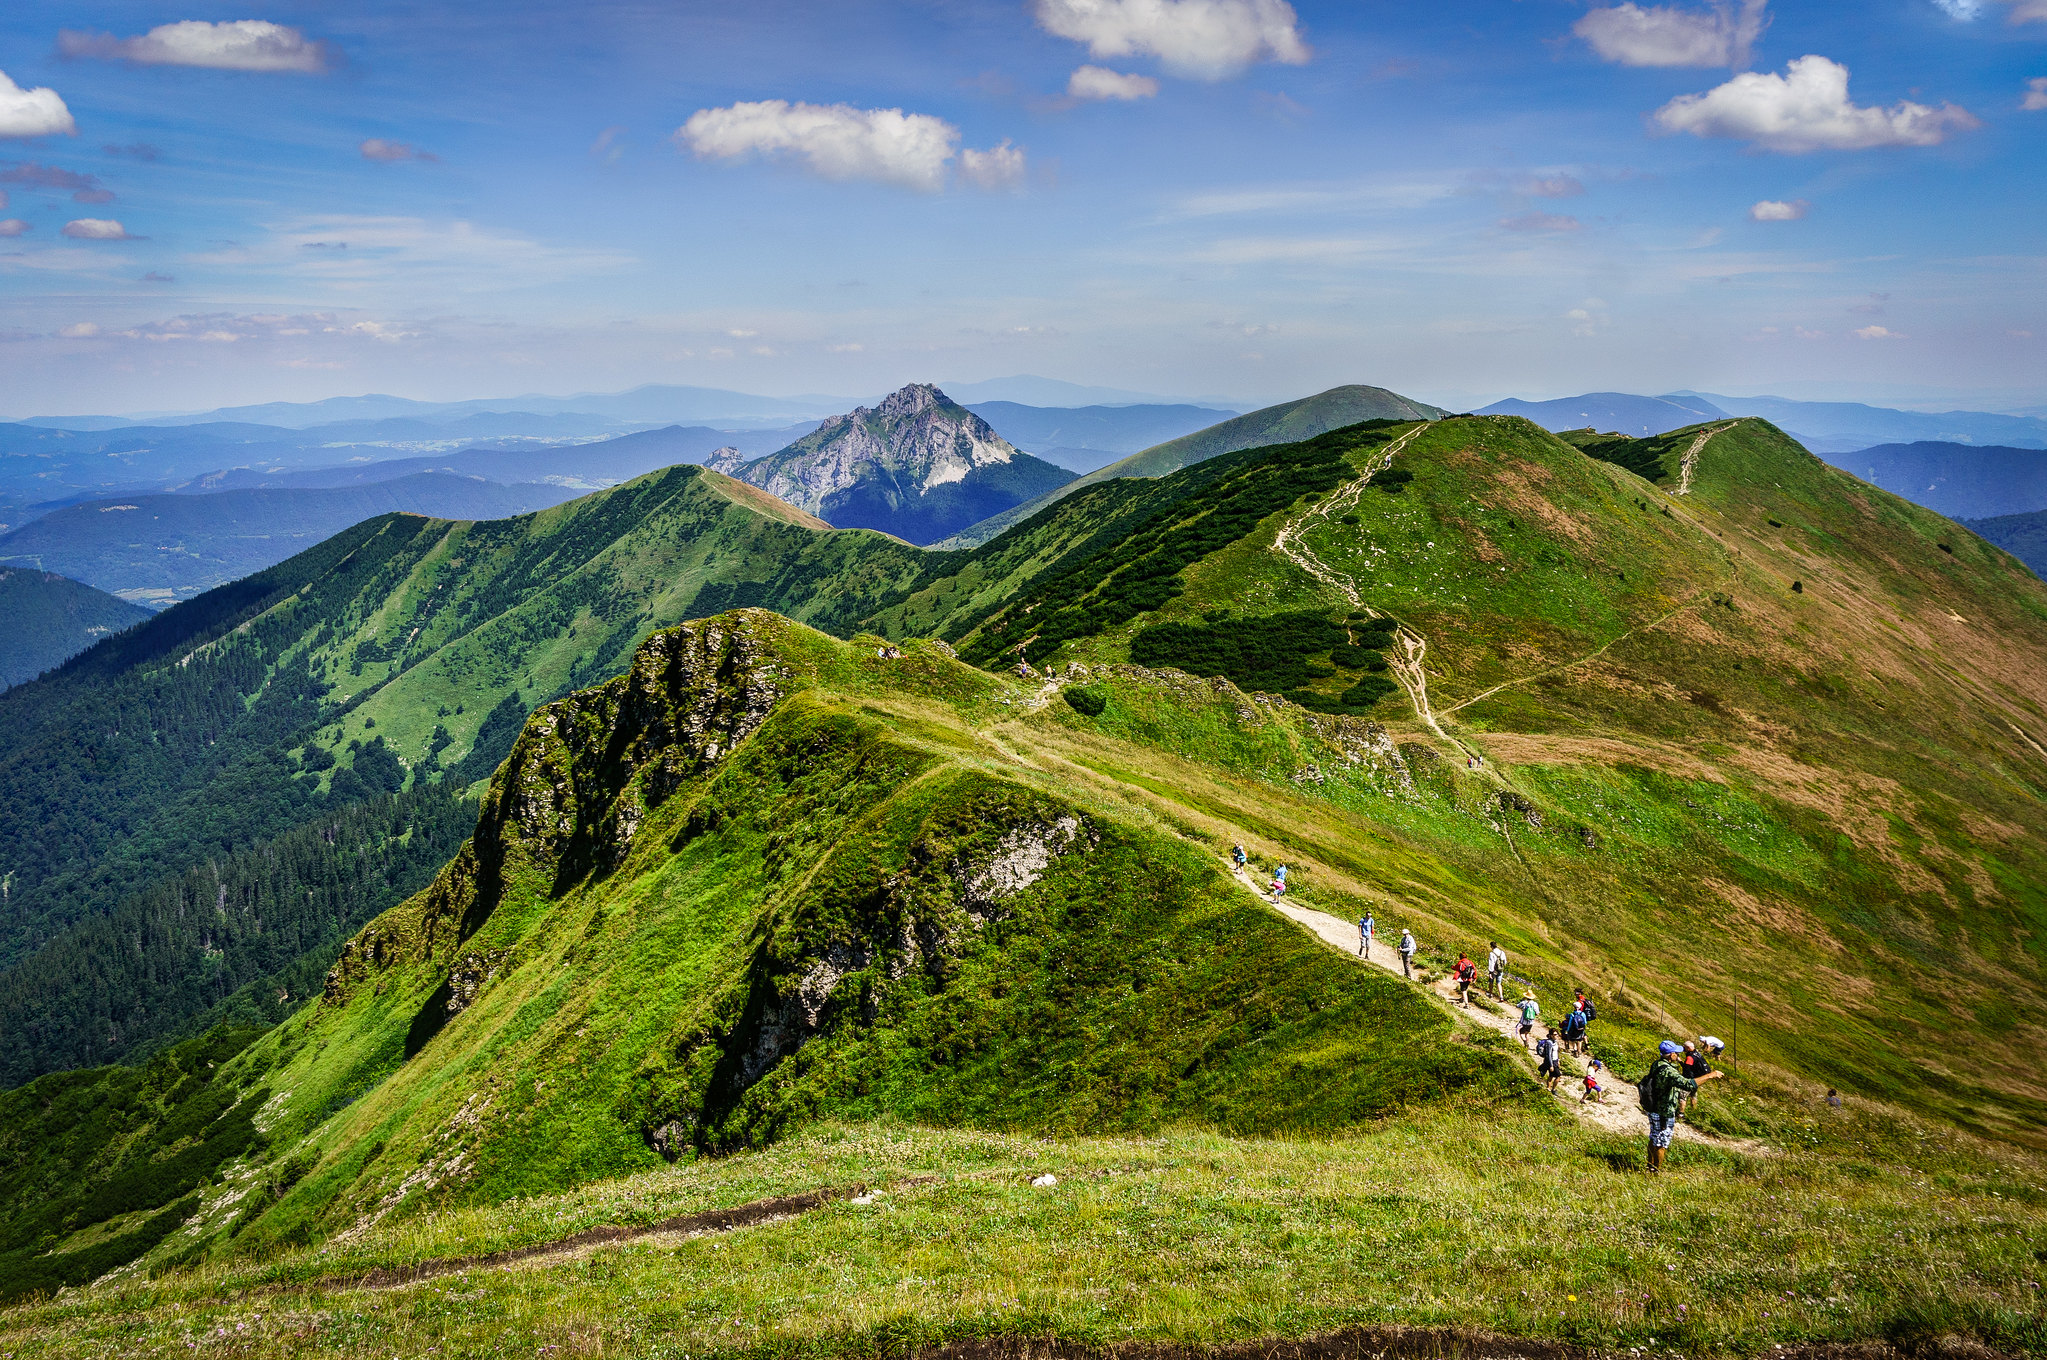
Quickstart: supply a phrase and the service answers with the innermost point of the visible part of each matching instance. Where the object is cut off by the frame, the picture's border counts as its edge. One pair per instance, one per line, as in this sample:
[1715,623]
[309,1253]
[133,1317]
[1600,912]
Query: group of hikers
[1670,1086]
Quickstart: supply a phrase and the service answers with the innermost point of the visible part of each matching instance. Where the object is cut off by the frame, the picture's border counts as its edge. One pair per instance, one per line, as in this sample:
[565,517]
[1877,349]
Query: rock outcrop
[918,466]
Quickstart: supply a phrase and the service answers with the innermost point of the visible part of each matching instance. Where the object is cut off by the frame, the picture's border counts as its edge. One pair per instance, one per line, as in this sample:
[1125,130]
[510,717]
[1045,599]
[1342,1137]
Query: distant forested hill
[46,619]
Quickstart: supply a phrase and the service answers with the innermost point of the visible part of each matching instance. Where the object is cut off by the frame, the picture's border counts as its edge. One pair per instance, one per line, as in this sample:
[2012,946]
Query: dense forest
[244,938]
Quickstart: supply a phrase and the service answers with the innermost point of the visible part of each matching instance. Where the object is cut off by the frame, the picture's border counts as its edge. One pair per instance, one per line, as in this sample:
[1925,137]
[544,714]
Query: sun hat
[1667,1047]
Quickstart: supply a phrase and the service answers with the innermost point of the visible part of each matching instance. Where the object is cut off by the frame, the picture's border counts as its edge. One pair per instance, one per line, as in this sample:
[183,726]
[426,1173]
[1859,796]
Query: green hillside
[1760,757]
[404,649]
[1284,423]
[46,619]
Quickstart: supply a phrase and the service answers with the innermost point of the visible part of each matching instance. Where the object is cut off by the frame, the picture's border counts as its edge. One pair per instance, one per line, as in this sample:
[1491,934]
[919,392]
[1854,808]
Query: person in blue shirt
[1366,925]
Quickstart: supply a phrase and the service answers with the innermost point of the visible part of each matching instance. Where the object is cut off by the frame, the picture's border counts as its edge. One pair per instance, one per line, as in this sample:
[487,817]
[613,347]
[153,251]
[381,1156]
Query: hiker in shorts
[1467,974]
[1407,952]
[1593,1090]
[1530,1011]
[1496,971]
[1238,857]
[1660,1092]
[1549,1060]
[1366,925]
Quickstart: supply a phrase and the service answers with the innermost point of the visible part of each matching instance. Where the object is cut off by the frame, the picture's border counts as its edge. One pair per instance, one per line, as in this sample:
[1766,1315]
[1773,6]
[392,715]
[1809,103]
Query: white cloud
[1099,82]
[999,167]
[2028,11]
[1207,39]
[1807,109]
[1537,221]
[836,141]
[1775,210]
[1961,9]
[2036,95]
[79,330]
[32,113]
[96,229]
[1550,186]
[235,45]
[13,226]
[1669,36]
[1878,333]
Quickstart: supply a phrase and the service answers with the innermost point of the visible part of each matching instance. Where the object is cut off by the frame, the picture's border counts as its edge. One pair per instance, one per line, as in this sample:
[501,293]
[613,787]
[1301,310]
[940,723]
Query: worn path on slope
[1407,666]
[1618,1113]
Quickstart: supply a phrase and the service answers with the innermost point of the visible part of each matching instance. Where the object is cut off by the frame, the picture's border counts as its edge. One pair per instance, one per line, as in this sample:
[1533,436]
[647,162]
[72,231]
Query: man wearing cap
[1660,1093]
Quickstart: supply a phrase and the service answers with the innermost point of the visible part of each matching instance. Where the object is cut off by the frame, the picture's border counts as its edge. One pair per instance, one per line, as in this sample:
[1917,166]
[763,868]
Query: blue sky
[1239,199]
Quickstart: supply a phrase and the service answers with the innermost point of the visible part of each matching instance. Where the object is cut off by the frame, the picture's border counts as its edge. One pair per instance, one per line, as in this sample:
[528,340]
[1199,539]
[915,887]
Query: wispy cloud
[999,167]
[235,45]
[31,175]
[1205,39]
[1775,210]
[379,149]
[2036,95]
[1808,109]
[1540,221]
[96,229]
[1670,35]
[1099,82]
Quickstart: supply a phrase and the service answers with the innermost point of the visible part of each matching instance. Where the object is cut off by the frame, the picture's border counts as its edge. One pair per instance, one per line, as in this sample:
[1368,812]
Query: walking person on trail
[1366,925]
[1660,1093]
[1529,1012]
[1694,1065]
[1467,974]
[1406,952]
[1549,1060]
[1496,971]
[1574,1030]
[1238,857]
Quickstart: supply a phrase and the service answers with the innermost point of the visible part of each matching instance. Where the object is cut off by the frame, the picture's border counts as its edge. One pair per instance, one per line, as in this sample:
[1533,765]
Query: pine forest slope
[46,619]
[1286,422]
[404,648]
[2023,536]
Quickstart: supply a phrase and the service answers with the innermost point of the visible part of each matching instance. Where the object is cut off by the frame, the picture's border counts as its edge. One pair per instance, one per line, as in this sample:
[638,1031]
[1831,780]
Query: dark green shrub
[1088,699]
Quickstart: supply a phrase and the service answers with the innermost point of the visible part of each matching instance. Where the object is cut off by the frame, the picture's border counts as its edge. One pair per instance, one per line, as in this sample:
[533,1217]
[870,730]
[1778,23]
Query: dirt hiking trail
[1618,1113]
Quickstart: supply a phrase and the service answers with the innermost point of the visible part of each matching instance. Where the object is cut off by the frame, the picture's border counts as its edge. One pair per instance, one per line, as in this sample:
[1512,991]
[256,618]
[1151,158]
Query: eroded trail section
[1690,462]
[1410,646]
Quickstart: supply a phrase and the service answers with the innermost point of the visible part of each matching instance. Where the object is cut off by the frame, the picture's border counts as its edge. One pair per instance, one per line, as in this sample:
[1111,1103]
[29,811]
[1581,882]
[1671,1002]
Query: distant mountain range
[2023,536]
[46,619]
[1961,481]
[919,466]
[154,550]
[1823,426]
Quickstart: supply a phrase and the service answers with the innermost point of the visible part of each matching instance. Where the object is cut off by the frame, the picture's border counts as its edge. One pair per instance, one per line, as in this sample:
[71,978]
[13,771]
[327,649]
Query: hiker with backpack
[1467,974]
[1694,1065]
[1366,925]
[1660,1093]
[1549,1060]
[1238,857]
[1574,1030]
[1406,952]
[1496,971]
[1529,1012]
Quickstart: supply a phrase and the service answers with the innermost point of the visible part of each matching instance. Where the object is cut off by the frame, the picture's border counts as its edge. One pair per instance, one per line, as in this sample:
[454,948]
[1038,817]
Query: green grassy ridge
[790,934]
[1288,422]
[1868,1230]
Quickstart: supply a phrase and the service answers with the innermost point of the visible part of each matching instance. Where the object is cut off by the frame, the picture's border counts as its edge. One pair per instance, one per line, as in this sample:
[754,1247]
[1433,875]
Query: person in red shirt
[1467,973]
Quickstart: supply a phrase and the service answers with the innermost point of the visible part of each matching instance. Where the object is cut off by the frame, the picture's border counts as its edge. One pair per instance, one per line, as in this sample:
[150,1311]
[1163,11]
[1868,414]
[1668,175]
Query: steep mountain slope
[918,466]
[2023,536]
[1716,700]
[764,877]
[46,619]
[158,549]
[1302,419]
[403,647]
[1961,481]
[1617,411]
